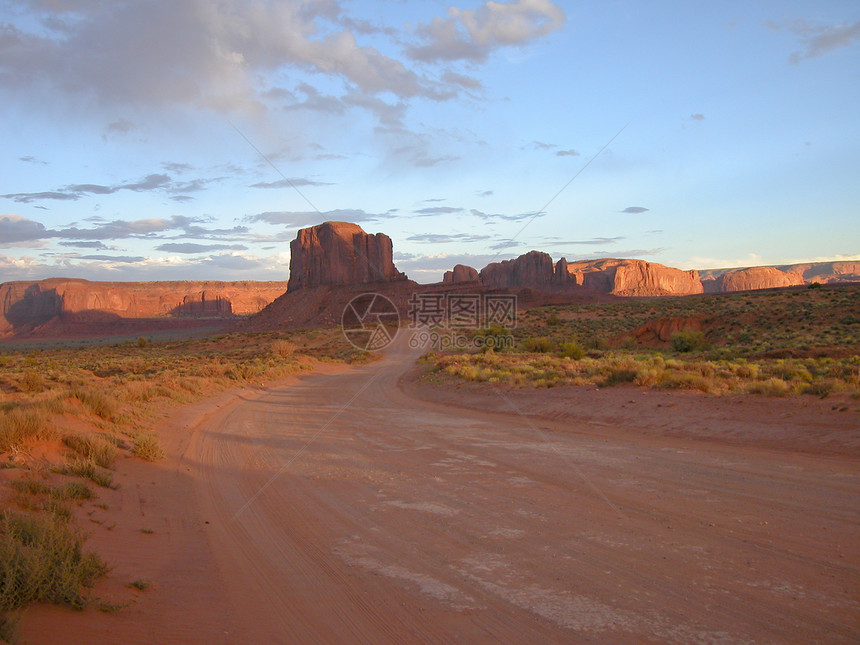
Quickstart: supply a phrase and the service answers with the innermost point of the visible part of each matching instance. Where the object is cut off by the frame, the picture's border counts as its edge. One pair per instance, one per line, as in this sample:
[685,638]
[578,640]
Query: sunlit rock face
[337,253]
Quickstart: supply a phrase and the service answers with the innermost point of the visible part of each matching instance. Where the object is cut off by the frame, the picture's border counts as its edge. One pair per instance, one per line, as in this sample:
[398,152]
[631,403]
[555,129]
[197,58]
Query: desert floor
[360,505]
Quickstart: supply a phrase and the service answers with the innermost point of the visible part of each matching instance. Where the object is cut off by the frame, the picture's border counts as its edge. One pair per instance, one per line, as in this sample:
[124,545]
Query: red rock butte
[340,253]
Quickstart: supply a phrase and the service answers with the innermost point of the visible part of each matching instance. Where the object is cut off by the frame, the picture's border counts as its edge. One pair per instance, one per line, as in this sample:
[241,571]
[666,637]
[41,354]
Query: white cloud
[195,52]
[474,34]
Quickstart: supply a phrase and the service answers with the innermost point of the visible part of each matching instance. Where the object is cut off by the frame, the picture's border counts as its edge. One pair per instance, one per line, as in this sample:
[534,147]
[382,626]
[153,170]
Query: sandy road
[341,510]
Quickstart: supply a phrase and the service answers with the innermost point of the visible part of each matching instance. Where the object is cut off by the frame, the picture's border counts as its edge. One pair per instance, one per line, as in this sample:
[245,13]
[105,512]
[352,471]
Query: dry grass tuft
[93,447]
[148,447]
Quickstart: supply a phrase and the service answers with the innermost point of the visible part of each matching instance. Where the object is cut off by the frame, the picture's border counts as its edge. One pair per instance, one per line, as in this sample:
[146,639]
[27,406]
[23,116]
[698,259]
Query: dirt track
[343,509]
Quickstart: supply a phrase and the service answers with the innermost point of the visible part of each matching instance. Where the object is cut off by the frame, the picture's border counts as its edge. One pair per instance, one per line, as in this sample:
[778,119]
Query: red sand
[359,506]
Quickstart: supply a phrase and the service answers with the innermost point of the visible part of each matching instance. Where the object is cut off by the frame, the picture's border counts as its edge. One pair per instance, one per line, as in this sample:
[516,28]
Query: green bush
[687,341]
[538,345]
[571,350]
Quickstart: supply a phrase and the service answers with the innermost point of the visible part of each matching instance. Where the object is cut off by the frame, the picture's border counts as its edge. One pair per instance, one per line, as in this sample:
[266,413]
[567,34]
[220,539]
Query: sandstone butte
[24,305]
[340,253]
[460,273]
[634,278]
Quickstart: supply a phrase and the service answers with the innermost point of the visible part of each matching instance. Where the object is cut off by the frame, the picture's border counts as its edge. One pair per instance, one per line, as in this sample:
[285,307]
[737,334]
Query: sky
[191,139]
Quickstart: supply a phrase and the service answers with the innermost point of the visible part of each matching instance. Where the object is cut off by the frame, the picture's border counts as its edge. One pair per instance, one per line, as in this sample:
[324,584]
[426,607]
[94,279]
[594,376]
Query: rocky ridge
[25,305]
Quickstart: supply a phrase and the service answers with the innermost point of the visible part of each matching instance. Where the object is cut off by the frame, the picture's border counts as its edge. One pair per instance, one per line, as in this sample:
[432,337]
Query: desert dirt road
[340,509]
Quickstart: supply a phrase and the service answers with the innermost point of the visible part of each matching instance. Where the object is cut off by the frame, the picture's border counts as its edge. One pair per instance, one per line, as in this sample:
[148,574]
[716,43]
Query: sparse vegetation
[118,392]
[773,343]
[88,469]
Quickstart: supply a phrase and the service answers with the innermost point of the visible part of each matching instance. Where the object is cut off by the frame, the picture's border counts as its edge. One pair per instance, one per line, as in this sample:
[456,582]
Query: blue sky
[171,139]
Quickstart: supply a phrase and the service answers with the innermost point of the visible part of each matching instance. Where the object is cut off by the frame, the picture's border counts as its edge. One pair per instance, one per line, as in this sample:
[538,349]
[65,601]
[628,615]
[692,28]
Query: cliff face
[461,273]
[825,272]
[339,253]
[634,278]
[24,305]
[534,269]
[753,278]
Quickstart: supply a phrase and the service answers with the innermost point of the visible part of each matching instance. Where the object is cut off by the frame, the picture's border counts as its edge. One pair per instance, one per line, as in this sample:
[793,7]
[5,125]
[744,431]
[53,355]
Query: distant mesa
[340,253]
[769,277]
[62,303]
[634,278]
[617,277]
[752,279]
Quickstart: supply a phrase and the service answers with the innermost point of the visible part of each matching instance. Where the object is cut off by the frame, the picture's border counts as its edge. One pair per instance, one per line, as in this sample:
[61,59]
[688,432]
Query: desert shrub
[553,320]
[789,371]
[769,387]
[113,439]
[147,447]
[687,381]
[30,486]
[42,560]
[141,341]
[744,370]
[31,381]
[538,345]
[19,425]
[648,377]
[94,447]
[73,490]
[571,350]
[98,403]
[620,374]
[687,341]
[821,388]
[88,469]
[814,285]
[241,371]
[283,348]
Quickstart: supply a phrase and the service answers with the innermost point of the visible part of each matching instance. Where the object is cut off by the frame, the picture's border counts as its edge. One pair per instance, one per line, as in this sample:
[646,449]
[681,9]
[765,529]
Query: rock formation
[634,278]
[24,305]
[534,269]
[660,331]
[825,272]
[461,273]
[340,253]
[752,278]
